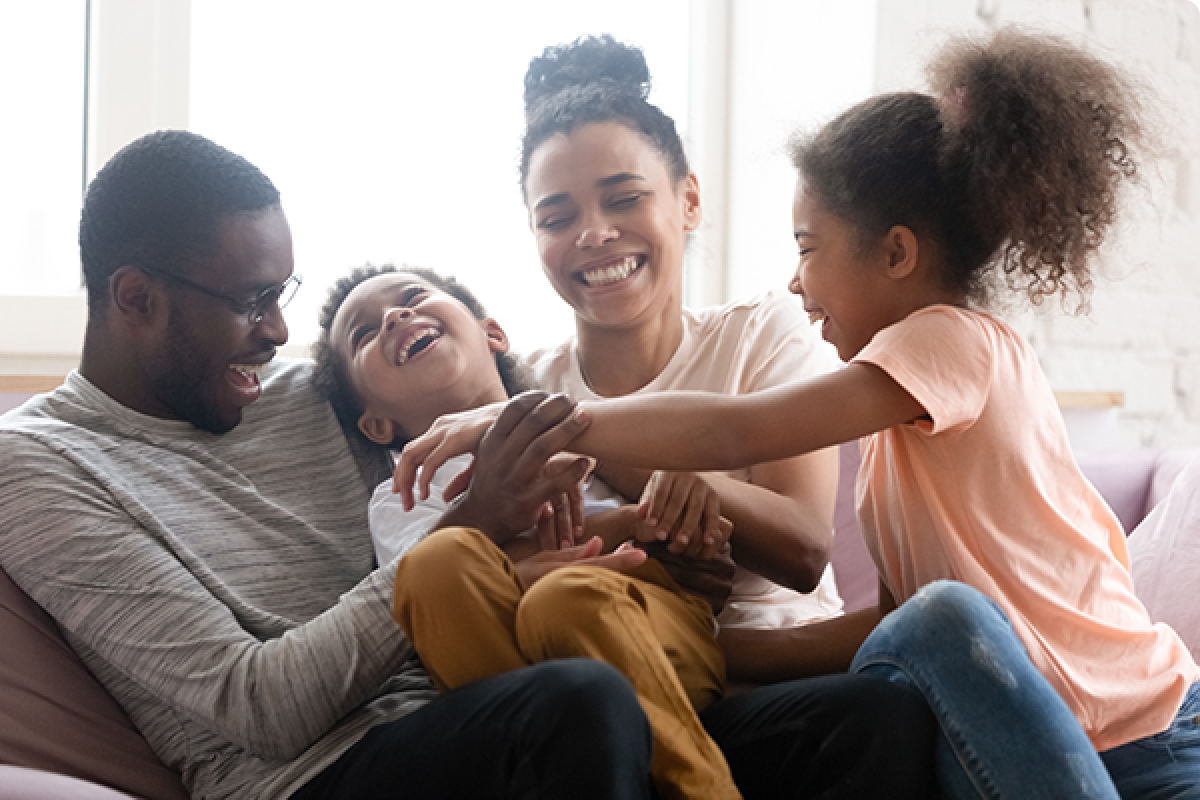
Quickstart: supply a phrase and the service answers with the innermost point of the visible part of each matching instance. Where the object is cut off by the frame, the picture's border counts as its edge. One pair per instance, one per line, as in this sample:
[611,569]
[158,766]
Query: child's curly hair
[1014,161]
[330,373]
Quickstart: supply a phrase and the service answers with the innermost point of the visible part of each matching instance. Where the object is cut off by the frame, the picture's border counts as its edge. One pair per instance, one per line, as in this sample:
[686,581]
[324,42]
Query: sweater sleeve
[114,587]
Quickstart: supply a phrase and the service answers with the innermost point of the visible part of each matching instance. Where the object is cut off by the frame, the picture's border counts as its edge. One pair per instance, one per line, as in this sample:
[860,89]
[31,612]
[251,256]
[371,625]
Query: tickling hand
[683,509]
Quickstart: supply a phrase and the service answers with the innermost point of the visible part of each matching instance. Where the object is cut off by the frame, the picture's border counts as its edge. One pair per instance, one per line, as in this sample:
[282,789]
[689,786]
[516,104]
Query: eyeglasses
[255,309]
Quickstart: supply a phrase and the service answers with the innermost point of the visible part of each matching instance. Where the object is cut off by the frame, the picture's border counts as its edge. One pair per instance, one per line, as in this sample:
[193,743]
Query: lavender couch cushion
[19,783]
[54,716]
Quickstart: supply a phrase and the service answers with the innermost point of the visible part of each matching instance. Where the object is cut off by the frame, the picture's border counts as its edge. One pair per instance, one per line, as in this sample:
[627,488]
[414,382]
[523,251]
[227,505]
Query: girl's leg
[1005,732]
[1165,766]
[456,597]
[661,640]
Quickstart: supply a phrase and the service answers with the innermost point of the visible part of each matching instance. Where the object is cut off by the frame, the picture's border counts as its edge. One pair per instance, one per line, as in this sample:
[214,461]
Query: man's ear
[134,298]
[497,338]
[379,430]
[692,215]
[901,249]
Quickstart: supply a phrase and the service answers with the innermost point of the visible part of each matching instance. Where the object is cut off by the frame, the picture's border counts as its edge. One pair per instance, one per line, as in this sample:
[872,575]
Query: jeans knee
[594,696]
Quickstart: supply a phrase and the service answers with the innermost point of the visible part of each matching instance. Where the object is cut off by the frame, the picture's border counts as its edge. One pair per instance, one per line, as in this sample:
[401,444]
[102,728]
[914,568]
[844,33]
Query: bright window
[42,59]
[393,130]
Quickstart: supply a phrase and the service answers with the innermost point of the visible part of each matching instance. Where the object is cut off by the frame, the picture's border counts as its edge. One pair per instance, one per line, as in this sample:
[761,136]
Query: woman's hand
[684,509]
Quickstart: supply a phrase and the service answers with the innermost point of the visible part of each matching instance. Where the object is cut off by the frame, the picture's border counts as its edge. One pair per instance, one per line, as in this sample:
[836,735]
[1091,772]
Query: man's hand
[682,509]
[514,475]
[532,569]
[710,579]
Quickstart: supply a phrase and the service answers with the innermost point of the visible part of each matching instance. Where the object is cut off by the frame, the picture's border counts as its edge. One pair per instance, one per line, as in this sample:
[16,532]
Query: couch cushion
[55,716]
[19,783]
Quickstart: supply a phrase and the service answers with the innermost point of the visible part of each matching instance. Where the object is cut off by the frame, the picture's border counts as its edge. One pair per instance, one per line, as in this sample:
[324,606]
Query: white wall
[1142,336]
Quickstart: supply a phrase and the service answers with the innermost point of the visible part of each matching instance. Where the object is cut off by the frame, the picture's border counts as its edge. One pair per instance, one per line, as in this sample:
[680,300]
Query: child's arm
[701,431]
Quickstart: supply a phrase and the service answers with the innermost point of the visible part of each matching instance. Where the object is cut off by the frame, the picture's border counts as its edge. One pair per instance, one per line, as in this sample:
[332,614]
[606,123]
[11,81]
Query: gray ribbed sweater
[221,587]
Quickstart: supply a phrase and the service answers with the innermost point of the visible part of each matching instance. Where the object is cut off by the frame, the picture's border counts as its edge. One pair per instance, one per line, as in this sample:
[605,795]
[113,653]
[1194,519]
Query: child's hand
[682,508]
[532,569]
[560,524]
[536,413]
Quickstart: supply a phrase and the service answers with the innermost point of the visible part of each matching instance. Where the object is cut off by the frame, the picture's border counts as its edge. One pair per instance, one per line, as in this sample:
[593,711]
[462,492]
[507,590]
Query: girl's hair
[1014,161]
[595,79]
[330,372]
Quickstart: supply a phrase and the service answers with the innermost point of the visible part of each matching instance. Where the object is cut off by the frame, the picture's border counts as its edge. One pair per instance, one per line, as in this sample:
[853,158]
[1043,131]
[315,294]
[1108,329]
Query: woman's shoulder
[552,368]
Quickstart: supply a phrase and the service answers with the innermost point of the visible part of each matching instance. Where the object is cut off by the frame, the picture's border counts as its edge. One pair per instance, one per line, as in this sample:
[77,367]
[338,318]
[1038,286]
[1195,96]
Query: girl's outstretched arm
[702,431]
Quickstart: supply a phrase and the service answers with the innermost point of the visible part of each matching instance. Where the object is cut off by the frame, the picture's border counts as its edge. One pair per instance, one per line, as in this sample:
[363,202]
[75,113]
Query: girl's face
[611,226]
[845,291]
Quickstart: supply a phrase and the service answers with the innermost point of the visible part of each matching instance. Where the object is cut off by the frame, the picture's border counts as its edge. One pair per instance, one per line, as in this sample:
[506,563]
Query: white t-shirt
[1164,552]
[395,531]
[734,349]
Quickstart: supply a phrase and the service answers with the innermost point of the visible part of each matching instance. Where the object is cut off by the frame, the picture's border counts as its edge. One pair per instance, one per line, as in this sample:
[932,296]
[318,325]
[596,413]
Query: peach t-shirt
[986,492]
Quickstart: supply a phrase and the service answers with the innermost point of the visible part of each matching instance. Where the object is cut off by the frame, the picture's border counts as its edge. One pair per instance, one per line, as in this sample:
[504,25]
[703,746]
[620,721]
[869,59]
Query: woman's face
[611,226]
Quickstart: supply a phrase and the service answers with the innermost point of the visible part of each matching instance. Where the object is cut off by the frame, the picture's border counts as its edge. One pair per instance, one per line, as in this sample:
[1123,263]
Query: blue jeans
[1005,733]
[569,729]
[1165,766]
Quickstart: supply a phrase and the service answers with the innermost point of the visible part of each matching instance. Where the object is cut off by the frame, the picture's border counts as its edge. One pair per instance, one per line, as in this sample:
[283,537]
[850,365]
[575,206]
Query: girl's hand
[683,507]
[524,419]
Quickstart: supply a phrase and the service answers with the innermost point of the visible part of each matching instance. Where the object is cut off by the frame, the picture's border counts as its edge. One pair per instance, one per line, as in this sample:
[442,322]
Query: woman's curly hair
[1014,162]
[595,79]
[330,373]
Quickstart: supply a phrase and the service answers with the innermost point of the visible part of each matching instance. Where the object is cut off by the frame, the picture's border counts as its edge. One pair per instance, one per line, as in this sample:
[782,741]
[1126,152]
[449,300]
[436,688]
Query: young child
[906,208]
[400,347]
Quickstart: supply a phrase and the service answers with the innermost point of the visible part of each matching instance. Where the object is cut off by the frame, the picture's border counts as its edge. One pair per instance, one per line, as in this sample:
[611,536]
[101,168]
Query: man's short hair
[157,202]
[331,377]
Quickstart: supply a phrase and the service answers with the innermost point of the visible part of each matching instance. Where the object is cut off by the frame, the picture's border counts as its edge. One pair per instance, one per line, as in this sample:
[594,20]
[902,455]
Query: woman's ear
[901,249]
[379,430]
[497,338]
[692,216]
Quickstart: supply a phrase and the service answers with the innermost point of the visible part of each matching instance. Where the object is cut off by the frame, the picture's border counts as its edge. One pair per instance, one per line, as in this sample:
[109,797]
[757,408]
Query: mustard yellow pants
[460,602]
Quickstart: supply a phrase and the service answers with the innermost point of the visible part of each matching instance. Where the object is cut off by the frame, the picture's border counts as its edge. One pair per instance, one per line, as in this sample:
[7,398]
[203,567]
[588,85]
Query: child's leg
[634,624]
[456,597]
[1164,765]
[1005,732]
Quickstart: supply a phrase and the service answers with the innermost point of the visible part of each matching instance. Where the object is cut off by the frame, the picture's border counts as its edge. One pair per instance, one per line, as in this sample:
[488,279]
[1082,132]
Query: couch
[63,736]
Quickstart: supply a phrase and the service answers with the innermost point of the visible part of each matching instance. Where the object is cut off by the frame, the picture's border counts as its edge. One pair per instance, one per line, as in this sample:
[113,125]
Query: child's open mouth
[416,342]
[611,273]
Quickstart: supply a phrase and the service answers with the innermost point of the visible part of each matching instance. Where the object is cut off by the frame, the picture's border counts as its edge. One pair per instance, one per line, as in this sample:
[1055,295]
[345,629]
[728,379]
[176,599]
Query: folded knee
[441,561]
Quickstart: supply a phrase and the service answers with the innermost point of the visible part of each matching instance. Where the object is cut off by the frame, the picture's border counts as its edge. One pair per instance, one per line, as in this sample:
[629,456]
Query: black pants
[573,729]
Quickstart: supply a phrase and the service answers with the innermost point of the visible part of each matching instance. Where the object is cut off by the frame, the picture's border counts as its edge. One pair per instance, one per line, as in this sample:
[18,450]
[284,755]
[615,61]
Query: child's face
[611,226]
[844,290]
[412,353]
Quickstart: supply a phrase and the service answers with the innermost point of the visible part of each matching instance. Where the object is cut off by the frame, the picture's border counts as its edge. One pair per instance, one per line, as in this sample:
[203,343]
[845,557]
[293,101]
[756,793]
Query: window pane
[392,130]
[797,65]
[41,145]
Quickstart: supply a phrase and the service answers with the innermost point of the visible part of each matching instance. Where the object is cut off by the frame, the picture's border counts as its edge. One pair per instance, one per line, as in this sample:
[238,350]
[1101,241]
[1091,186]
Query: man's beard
[184,383]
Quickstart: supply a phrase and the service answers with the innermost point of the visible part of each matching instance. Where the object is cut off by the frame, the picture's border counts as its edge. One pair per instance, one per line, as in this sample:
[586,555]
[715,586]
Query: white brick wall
[1143,333]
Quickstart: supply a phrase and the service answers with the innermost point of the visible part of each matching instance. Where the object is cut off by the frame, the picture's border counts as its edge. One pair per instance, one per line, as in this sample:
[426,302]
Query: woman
[612,203]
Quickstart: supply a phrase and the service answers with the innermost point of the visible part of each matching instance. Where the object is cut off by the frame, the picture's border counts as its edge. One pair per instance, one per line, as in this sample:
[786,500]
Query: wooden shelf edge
[1112,399]
[30,384]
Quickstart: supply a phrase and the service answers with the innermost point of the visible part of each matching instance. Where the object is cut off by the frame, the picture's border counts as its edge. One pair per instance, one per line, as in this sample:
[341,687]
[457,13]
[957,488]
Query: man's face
[206,369]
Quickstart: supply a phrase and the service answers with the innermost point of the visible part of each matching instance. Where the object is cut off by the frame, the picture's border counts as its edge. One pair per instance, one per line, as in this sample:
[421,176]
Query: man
[193,519]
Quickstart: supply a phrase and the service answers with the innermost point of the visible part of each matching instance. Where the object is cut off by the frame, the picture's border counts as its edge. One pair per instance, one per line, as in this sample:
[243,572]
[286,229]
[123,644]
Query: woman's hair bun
[587,60]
